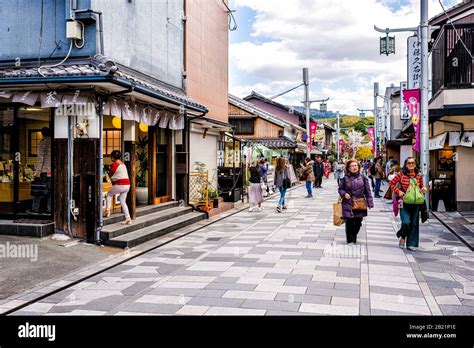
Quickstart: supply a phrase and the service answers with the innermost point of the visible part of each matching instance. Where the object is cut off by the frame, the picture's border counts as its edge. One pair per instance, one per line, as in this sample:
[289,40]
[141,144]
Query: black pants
[318,180]
[352,229]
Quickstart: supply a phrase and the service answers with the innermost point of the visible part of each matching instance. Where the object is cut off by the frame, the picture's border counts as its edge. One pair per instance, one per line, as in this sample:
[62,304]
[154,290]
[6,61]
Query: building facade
[99,78]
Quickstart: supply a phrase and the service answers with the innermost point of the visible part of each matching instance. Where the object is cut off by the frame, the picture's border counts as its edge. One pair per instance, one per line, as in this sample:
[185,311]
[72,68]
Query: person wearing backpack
[408,184]
[356,196]
[308,175]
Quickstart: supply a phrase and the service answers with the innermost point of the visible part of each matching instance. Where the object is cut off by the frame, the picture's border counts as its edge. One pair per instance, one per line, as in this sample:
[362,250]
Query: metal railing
[452,65]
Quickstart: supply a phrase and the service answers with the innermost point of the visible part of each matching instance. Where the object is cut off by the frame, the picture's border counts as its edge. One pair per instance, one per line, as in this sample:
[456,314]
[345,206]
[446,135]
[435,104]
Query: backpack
[372,169]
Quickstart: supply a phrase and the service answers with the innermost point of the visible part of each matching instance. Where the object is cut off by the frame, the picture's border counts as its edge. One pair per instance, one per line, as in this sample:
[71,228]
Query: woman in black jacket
[255,189]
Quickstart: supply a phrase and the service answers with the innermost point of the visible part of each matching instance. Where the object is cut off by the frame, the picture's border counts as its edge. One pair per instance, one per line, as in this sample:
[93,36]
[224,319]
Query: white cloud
[334,39]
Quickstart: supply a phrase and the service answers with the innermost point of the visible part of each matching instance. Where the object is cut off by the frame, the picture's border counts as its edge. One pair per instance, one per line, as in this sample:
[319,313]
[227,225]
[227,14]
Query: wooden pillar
[130,152]
[60,184]
[152,164]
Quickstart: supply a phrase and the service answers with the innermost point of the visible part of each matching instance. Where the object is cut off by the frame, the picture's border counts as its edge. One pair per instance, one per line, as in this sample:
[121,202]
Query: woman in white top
[121,185]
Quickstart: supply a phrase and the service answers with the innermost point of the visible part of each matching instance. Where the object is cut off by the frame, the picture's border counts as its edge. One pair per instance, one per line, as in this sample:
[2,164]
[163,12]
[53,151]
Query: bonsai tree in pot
[142,159]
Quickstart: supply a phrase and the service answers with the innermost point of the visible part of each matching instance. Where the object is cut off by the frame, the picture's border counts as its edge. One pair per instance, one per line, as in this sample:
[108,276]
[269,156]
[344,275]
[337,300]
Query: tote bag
[337,217]
[413,194]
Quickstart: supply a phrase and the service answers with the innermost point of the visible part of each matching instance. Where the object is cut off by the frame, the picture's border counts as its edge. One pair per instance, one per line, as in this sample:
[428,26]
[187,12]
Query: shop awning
[272,143]
[438,141]
[98,72]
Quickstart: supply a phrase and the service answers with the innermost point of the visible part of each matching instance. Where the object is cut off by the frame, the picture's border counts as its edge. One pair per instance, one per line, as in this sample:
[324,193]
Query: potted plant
[141,179]
[214,196]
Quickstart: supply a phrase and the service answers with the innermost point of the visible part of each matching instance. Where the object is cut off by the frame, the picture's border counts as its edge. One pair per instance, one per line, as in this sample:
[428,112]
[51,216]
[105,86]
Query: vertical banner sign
[412,101]
[403,109]
[414,63]
[371,133]
[313,126]
[341,144]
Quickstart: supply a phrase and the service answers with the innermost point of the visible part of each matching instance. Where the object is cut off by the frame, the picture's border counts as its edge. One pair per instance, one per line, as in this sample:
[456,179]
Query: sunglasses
[411,162]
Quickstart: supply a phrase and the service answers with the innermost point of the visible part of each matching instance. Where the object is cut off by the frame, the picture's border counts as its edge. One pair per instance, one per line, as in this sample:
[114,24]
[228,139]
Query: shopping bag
[337,217]
[413,194]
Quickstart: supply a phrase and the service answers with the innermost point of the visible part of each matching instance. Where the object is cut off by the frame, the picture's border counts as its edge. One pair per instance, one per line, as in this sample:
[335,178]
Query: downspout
[101,169]
[99,25]
[69,175]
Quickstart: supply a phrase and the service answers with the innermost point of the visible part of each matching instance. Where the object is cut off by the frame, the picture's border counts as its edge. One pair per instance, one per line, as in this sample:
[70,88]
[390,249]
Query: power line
[455,30]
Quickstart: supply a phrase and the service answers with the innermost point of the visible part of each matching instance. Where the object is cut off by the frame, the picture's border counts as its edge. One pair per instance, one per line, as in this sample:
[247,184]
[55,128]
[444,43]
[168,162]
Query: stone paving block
[400,307]
[332,292]
[323,309]
[163,299]
[271,305]
[174,292]
[216,302]
[364,306]
[192,310]
[281,288]
[136,288]
[153,308]
[448,300]
[254,295]
[105,303]
[211,293]
[456,310]
[292,298]
[345,301]
[234,311]
[231,286]
[420,301]
[345,286]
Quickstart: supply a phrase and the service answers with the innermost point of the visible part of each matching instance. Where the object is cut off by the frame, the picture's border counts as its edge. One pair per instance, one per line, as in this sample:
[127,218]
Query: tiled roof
[249,107]
[100,66]
[272,143]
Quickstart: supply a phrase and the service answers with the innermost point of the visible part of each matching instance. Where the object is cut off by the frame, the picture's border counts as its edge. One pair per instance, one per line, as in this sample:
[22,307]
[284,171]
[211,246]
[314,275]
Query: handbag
[337,216]
[413,194]
[359,203]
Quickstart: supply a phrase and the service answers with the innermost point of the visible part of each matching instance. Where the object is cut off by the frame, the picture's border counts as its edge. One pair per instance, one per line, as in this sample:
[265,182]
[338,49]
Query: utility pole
[424,123]
[376,124]
[307,105]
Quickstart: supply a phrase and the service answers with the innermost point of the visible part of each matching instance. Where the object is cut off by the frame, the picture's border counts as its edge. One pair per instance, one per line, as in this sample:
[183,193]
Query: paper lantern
[116,122]
[143,127]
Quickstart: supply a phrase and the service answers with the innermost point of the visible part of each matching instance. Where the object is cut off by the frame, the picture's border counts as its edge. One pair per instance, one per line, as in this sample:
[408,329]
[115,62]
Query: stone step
[117,229]
[141,211]
[151,232]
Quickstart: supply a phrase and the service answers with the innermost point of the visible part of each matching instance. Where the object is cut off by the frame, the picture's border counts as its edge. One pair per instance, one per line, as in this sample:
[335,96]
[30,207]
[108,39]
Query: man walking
[318,168]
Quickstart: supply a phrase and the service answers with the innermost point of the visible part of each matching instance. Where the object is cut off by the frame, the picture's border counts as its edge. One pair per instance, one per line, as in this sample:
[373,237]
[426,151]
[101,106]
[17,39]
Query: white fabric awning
[438,141]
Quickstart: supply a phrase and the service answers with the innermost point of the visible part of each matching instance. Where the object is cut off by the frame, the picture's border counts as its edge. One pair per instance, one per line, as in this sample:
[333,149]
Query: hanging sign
[414,63]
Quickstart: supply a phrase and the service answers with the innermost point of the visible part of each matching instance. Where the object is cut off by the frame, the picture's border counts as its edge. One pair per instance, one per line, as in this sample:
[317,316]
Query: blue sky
[275,39]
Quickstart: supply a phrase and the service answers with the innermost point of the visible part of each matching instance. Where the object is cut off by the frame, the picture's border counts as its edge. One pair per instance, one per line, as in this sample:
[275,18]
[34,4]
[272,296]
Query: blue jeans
[308,188]
[410,216]
[281,202]
[378,182]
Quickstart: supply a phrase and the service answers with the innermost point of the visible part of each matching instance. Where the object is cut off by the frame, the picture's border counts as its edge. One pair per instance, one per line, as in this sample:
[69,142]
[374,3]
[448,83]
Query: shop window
[112,140]
[243,126]
[34,138]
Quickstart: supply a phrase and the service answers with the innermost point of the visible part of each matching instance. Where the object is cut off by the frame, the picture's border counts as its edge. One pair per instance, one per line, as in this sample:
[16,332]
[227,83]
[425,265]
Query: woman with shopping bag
[408,184]
[356,196]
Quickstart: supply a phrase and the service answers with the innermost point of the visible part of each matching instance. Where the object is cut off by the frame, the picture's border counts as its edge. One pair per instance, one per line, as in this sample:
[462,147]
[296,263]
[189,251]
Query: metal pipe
[337,135]
[376,125]
[99,25]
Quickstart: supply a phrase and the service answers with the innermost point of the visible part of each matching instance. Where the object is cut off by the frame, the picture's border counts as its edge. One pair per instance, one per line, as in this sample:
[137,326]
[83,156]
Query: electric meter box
[73,30]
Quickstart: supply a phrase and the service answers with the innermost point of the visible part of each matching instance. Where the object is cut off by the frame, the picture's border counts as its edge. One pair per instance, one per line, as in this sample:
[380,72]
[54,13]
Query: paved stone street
[296,262]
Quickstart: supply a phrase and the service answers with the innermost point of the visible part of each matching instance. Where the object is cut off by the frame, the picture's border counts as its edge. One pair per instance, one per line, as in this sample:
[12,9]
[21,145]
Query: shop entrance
[26,178]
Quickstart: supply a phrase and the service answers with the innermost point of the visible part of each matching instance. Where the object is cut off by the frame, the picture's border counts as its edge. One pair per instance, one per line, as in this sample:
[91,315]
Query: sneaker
[278,209]
[250,210]
[401,243]
[412,248]
[284,207]
[309,196]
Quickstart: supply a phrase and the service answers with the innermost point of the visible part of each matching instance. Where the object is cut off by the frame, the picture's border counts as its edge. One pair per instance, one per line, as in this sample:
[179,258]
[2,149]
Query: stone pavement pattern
[293,263]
